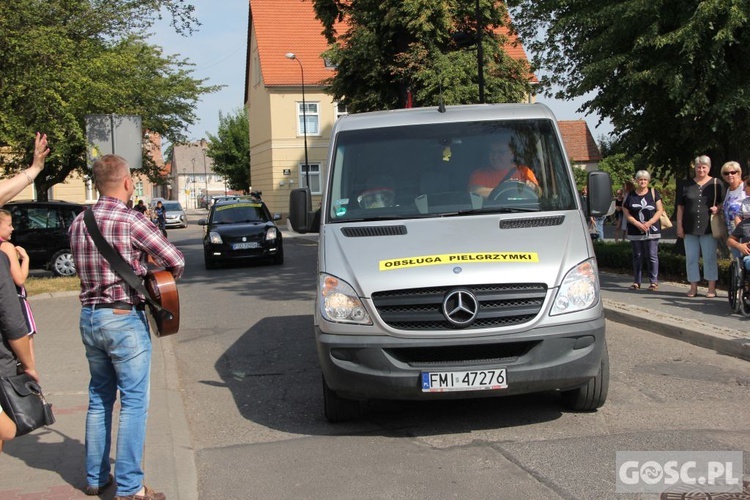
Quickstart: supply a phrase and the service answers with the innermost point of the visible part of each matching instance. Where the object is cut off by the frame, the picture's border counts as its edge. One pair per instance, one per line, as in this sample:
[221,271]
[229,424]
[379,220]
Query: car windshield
[172,207]
[427,170]
[245,212]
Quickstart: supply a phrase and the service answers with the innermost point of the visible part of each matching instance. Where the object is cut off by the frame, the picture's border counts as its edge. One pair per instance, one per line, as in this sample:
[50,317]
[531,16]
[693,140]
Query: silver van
[430,287]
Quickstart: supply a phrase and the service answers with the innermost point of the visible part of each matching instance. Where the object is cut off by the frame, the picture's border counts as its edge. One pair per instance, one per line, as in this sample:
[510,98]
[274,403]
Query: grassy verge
[38,285]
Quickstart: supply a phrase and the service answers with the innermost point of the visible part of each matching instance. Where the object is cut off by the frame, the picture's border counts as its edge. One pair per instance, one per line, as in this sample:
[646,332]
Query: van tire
[338,409]
[62,264]
[592,395]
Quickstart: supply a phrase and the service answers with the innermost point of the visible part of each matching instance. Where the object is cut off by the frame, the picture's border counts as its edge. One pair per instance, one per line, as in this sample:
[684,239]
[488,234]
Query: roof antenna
[441,106]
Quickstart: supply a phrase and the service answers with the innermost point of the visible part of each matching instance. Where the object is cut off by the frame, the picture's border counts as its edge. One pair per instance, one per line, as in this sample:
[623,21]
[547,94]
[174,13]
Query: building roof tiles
[579,143]
[283,26]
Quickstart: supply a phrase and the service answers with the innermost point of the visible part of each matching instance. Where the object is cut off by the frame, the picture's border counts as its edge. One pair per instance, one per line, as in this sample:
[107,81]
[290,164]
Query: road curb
[722,340]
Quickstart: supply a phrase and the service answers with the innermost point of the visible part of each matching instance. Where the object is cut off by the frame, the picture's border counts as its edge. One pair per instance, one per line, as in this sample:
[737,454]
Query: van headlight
[339,303]
[579,289]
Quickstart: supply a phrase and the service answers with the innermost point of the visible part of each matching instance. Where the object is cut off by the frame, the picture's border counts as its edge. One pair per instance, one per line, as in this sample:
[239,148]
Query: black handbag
[22,399]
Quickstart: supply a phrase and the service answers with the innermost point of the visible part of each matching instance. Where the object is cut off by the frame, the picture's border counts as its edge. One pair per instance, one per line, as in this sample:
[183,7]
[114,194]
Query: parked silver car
[175,214]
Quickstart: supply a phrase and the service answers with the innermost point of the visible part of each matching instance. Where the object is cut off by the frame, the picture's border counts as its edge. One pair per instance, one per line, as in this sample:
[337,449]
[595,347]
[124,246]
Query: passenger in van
[501,168]
[378,194]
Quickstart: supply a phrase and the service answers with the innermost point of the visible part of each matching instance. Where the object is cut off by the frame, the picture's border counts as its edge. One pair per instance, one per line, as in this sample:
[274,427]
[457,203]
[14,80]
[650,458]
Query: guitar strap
[119,265]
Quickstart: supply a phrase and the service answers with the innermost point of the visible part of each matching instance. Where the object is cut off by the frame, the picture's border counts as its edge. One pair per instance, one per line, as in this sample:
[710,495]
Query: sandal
[710,294]
[692,293]
[653,287]
[635,286]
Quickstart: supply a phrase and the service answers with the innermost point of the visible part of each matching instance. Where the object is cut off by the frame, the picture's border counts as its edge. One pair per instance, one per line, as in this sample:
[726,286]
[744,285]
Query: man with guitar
[115,330]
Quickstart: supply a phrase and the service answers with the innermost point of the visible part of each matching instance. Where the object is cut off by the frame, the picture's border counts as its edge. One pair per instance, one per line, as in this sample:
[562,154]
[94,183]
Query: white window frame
[337,111]
[315,173]
[310,115]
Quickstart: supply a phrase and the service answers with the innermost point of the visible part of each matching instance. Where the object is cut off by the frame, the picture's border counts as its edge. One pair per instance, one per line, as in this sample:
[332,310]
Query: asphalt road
[252,391]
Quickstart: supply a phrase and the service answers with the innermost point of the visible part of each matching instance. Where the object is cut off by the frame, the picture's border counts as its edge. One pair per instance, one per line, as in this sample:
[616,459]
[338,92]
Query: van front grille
[496,306]
[461,354]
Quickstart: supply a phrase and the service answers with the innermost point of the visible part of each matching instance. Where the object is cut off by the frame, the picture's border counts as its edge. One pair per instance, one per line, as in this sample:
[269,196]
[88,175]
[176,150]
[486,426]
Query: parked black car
[41,227]
[239,230]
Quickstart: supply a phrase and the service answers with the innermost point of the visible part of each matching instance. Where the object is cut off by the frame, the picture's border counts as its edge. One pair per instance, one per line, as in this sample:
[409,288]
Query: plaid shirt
[134,237]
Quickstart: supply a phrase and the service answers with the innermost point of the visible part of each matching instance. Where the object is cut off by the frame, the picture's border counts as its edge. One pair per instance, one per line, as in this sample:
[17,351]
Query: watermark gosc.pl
[656,471]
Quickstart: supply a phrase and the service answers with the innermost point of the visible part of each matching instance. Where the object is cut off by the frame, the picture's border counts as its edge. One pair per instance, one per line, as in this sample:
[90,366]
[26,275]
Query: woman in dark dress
[701,196]
[642,209]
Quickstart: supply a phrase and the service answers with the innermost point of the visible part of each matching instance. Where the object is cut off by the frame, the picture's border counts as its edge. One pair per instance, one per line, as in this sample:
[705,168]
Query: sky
[219,51]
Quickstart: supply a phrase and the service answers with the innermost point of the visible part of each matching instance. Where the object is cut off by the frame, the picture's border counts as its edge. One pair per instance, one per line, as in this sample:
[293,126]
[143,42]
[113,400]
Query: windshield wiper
[491,210]
[369,219]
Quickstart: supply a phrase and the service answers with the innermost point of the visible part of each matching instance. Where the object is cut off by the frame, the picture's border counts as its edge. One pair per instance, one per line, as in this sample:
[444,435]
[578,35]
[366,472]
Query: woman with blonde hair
[731,172]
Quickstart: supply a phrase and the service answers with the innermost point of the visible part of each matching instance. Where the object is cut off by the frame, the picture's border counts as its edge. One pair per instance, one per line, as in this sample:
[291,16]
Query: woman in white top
[731,172]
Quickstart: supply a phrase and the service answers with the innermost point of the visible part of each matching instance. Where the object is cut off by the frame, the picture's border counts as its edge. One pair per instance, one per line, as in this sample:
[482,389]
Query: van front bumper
[385,367]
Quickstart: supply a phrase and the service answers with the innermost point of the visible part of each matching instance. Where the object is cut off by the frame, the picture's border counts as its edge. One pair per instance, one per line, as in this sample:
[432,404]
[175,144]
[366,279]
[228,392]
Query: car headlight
[271,234]
[214,238]
[579,289]
[339,303]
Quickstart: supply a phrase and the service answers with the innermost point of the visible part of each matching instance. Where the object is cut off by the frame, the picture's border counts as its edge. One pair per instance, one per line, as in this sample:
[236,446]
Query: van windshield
[448,169]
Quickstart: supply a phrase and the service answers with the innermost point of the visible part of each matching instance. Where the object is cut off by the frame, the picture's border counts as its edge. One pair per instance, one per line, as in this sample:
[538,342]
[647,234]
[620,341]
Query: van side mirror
[301,215]
[600,193]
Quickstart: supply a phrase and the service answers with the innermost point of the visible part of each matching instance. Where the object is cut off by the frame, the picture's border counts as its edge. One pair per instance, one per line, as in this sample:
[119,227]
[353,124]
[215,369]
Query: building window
[315,185]
[139,188]
[311,113]
[340,110]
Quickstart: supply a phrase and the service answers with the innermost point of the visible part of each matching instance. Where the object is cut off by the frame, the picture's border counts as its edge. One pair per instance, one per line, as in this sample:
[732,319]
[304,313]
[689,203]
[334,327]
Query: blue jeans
[650,250]
[746,261]
[695,246]
[600,227]
[118,349]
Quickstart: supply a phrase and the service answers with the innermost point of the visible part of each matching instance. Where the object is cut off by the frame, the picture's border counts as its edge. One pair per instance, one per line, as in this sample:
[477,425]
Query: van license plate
[246,245]
[476,380]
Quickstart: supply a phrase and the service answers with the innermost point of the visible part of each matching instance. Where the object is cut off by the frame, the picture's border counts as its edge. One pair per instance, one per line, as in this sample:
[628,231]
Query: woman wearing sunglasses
[731,172]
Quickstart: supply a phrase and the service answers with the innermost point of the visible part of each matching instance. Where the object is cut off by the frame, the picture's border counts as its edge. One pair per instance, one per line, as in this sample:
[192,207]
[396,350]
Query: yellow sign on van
[458,258]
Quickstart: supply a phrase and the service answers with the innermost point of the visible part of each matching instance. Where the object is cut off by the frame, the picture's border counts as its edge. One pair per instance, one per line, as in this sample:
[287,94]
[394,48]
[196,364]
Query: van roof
[452,114]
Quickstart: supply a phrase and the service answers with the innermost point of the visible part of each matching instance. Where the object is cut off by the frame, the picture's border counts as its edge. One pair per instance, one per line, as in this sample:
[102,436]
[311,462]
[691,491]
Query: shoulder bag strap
[115,259]
[715,189]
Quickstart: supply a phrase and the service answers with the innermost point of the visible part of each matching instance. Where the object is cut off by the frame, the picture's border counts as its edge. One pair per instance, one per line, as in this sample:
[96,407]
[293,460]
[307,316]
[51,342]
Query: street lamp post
[205,171]
[290,55]
[192,193]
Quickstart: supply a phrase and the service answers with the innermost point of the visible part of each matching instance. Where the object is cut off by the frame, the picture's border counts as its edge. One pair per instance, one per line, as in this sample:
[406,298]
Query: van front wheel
[592,395]
[338,409]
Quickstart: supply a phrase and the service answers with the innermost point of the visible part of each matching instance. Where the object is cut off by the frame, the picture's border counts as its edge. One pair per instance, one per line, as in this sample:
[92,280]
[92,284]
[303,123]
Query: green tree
[63,59]
[394,46]
[230,149]
[671,75]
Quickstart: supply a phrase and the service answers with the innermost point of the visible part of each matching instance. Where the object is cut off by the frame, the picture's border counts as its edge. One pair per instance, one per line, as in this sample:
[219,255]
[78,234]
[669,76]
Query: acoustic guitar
[162,289]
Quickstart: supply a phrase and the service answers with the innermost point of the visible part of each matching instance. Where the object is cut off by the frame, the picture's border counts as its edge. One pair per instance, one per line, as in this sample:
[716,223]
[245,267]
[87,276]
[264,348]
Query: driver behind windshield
[501,168]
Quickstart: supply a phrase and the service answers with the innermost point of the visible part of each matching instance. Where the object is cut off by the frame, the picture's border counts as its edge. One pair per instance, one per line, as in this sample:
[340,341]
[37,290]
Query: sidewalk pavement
[48,463]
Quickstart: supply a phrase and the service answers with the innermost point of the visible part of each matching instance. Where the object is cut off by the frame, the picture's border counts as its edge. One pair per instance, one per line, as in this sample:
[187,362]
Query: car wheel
[338,409]
[278,259]
[209,261]
[62,264]
[592,395]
